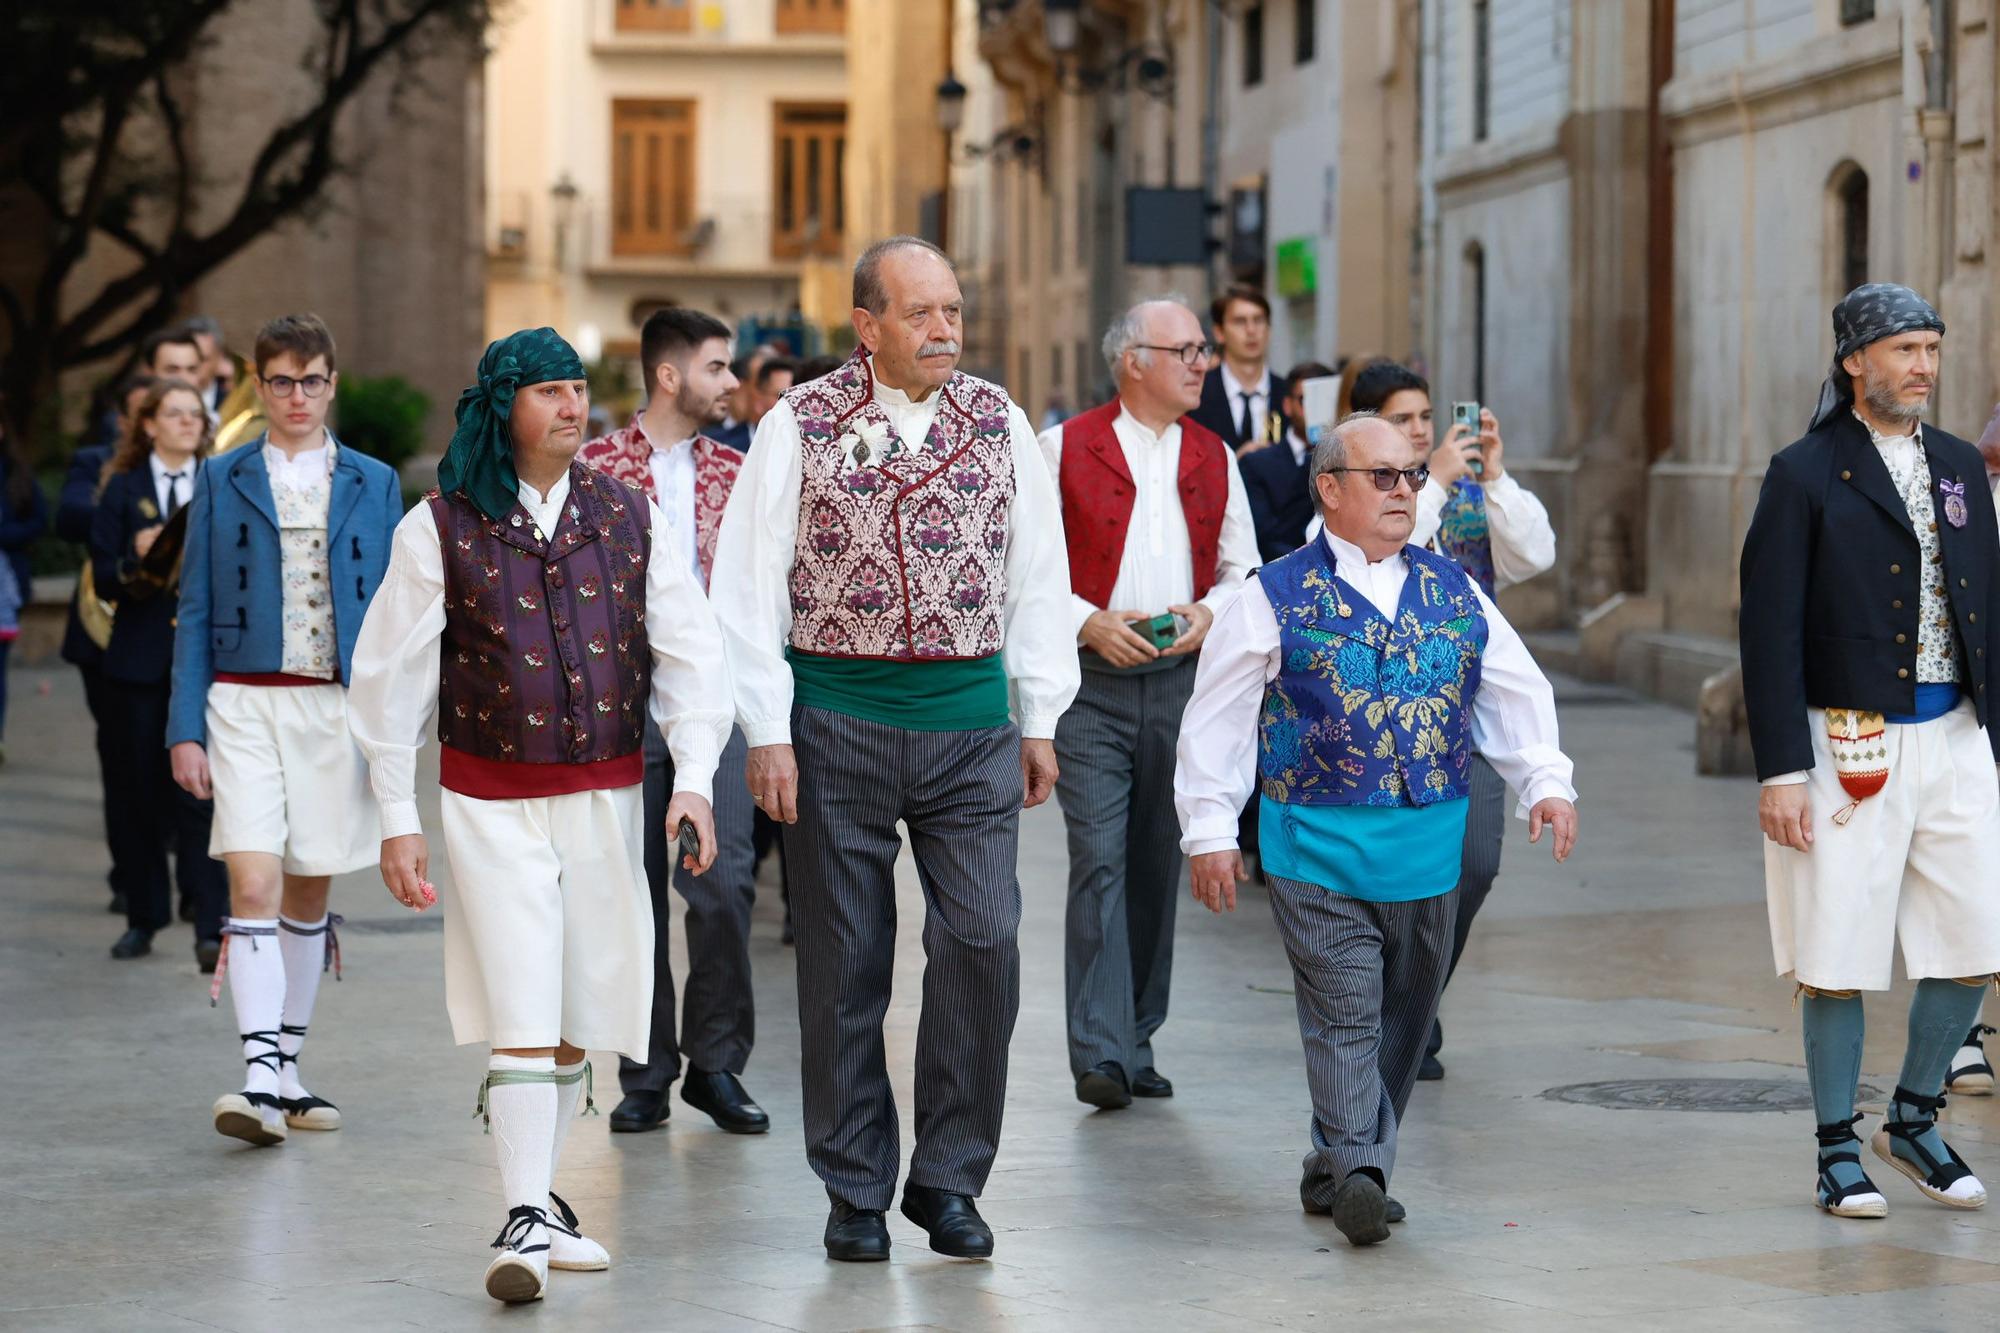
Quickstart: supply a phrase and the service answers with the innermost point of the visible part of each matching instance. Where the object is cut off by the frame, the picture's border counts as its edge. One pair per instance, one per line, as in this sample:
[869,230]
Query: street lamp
[1062,24]
[950,104]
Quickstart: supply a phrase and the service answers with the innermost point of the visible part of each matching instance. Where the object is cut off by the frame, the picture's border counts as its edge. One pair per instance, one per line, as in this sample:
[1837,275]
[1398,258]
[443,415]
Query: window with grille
[1856,11]
[1253,46]
[655,16]
[808,209]
[1305,30]
[812,16]
[1853,230]
[652,177]
[1482,70]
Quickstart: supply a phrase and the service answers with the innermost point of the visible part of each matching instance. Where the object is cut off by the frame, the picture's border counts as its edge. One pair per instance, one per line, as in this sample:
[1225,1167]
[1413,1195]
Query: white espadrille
[253,1117]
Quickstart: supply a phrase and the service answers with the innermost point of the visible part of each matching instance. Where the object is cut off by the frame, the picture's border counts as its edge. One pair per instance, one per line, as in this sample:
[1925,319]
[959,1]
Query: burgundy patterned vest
[545,665]
[901,552]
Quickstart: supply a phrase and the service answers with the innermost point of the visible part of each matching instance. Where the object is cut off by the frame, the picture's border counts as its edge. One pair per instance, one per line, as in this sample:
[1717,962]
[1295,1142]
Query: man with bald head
[1351,683]
[889,572]
[1159,534]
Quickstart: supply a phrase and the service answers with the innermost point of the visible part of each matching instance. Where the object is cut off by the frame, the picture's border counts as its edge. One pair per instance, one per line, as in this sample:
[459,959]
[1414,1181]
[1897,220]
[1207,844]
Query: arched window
[1847,228]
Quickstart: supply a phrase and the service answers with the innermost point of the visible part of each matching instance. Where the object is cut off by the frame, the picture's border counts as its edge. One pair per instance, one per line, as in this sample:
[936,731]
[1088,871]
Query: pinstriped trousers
[1115,748]
[1485,835]
[959,794]
[1367,977]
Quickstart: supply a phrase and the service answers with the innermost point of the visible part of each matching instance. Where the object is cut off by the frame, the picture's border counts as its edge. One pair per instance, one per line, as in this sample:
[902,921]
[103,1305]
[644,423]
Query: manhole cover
[1696,1094]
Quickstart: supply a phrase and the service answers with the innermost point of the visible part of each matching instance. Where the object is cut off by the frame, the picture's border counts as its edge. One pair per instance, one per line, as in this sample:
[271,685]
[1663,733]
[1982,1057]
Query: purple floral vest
[901,553]
[545,659]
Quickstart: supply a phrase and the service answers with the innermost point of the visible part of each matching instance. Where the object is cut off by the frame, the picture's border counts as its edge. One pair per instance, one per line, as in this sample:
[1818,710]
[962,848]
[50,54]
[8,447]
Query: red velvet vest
[1098,494]
[545,665]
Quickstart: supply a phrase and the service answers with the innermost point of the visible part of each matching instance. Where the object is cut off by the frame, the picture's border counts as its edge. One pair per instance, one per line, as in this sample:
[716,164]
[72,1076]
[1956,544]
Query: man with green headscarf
[539,608]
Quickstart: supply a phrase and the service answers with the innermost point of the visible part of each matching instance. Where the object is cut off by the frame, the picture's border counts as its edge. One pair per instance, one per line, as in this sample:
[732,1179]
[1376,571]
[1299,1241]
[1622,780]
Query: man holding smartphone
[1159,533]
[1474,512]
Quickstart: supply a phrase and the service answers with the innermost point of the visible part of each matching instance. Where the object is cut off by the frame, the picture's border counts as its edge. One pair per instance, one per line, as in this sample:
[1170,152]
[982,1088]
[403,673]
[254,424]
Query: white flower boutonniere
[866,443]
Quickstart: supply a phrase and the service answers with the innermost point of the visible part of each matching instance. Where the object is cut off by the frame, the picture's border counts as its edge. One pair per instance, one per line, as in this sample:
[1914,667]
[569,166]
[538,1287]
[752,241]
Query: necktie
[1245,423]
[173,493]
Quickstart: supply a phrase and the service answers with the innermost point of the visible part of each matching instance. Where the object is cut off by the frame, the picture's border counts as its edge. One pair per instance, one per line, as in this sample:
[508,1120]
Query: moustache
[949,347]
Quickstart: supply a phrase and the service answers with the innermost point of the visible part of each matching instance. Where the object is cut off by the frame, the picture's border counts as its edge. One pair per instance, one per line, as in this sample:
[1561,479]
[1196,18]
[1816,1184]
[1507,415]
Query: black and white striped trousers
[1115,747]
[1367,977]
[959,794]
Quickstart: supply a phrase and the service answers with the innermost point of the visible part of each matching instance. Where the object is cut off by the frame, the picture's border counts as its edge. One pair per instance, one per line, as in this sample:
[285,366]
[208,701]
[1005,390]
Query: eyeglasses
[180,414]
[1385,478]
[282,385]
[1190,354]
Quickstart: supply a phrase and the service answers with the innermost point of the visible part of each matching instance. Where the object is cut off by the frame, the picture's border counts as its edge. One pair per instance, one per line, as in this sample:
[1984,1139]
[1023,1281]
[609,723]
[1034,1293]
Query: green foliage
[383,417]
[613,386]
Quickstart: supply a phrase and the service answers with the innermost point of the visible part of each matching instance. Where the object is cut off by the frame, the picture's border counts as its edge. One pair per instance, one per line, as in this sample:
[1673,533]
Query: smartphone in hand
[1467,415]
[689,842]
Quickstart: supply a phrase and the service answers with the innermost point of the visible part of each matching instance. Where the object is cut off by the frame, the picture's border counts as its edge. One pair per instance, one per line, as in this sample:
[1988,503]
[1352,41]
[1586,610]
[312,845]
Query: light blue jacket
[232,608]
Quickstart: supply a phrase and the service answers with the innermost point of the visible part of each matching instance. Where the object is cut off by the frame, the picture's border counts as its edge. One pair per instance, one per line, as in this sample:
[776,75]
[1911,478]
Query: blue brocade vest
[1362,711]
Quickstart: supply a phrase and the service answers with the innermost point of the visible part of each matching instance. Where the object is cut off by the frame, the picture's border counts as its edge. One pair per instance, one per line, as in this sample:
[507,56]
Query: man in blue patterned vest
[1350,684]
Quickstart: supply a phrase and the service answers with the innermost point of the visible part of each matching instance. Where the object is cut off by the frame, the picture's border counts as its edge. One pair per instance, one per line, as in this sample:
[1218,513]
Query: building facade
[644,153]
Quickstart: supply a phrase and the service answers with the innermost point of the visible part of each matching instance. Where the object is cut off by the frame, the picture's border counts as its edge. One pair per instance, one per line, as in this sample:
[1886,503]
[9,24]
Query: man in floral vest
[666,453]
[1158,525]
[544,613]
[1354,679]
[891,563]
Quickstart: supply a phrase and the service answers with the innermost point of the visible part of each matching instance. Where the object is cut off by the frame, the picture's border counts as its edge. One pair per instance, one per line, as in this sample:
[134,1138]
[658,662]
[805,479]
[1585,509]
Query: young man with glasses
[287,540]
[1240,396]
[1159,532]
[1350,682]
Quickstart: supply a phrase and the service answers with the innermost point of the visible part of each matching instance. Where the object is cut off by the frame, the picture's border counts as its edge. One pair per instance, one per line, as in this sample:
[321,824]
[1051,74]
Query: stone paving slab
[1644,958]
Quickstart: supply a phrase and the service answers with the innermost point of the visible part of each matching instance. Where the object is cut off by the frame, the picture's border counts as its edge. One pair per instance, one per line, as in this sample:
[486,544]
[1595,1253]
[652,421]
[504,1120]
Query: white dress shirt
[1513,713]
[750,583]
[673,483]
[1260,402]
[1299,446]
[180,480]
[394,693]
[1156,569]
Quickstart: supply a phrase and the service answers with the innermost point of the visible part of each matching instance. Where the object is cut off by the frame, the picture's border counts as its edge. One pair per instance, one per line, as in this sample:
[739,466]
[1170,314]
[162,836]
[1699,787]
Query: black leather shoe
[134,943]
[1393,1214]
[722,1099]
[1104,1087]
[1430,1071]
[207,953]
[639,1112]
[1150,1082]
[856,1235]
[955,1225]
[1361,1210]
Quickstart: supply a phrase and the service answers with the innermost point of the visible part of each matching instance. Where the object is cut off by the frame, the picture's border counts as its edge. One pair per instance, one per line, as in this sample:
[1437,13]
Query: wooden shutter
[812,16]
[655,16]
[652,177]
[808,210]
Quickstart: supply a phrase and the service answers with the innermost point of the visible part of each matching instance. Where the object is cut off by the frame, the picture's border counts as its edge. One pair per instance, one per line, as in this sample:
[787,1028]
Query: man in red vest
[1159,533]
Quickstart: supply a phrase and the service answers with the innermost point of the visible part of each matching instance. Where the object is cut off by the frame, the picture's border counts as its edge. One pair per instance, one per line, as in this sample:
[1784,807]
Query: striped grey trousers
[1115,747]
[1367,977]
[718,1019]
[959,794]
[1485,834]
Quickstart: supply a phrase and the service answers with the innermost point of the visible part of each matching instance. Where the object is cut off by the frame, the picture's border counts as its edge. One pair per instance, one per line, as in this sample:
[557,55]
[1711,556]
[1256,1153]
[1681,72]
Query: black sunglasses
[1190,354]
[1385,478]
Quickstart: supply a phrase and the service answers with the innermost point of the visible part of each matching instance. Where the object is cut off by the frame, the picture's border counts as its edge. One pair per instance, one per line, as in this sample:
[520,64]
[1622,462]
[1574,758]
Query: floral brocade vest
[1364,711]
[901,552]
[545,658]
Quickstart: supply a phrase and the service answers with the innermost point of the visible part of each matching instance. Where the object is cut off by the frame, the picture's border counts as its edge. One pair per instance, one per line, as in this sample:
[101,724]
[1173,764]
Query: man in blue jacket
[287,540]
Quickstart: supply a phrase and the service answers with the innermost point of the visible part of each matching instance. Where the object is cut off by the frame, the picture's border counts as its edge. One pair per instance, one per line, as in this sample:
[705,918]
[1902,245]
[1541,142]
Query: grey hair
[869,293]
[1330,454]
[1126,330]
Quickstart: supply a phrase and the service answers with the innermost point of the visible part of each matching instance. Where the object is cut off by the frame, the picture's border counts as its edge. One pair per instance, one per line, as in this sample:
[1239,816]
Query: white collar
[159,465]
[657,447]
[1347,552]
[534,500]
[895,400]
[1300,446]
[1146,434]
[1235,386]
[1916,435]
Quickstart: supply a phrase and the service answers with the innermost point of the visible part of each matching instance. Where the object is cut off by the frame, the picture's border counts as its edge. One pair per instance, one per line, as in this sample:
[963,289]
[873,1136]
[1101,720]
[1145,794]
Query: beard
[1885,401]
[700,409]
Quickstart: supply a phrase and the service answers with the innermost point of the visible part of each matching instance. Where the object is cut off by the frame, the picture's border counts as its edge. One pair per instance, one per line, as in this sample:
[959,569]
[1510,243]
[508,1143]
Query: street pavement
[1644,963]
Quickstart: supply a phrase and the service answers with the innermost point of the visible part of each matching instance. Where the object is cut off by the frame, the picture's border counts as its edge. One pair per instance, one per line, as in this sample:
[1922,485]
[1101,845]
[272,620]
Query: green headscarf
[480,459]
